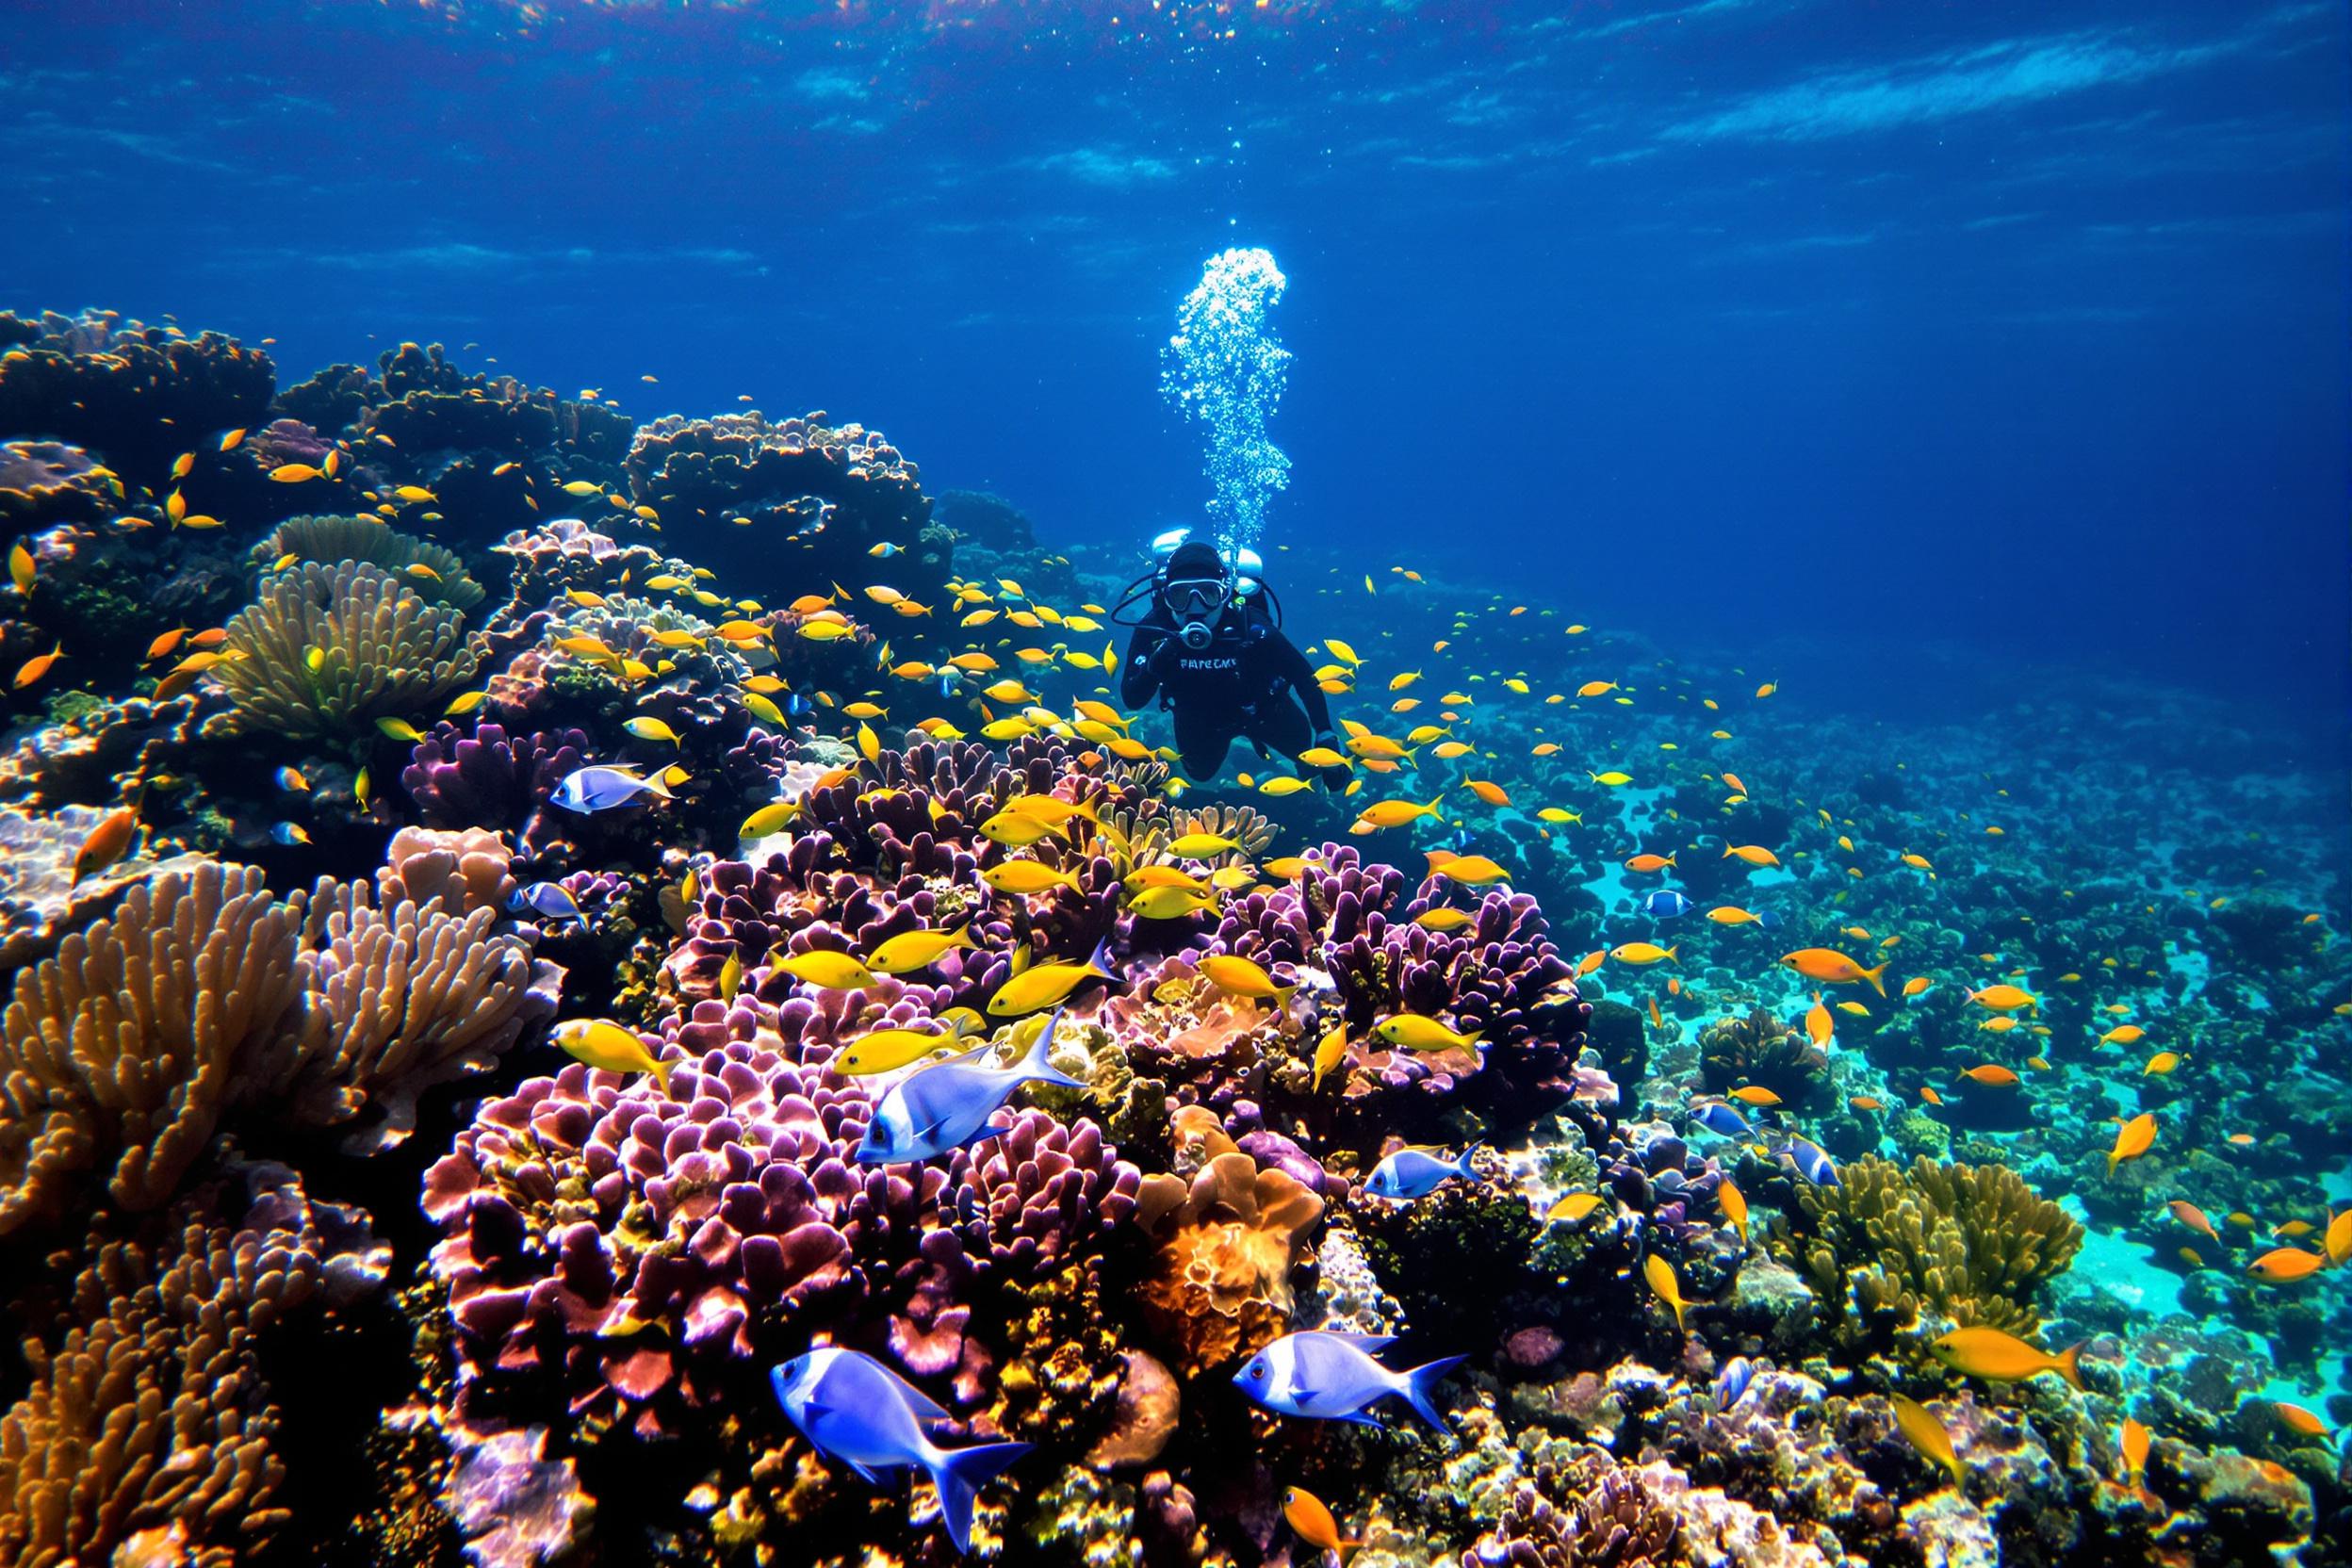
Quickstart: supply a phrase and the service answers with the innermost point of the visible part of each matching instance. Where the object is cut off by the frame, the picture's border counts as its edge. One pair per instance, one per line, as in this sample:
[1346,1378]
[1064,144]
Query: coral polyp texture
[522,925]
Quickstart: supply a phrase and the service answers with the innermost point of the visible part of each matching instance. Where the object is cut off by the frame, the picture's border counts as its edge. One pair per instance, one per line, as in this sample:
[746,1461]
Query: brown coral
[1966,1244]
[1612,1521]
[146,1434]
[1220,1285]
[464,867]
[1761,1050]
[123,1045]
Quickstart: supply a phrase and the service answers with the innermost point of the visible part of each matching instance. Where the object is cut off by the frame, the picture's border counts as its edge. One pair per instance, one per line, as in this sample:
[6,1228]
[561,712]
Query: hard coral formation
[328,650]
[1937,1244]
[133,392]
[1225,1244]
[147,1435]
[122,1050]
[332,539]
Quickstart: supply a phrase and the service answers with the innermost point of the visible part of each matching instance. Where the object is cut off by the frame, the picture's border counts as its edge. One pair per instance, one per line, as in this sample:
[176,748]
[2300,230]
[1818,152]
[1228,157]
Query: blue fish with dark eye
[947,1105]
[1333,1377]
[852,1408]
[597,788]
[1812,1162]
[1409,1174]
[1731,1384]
[1666,904]
[1719,1117]
[547,900]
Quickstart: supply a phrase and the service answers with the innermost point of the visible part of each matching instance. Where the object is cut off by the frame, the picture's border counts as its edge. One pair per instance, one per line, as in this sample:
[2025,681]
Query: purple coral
[488,778]
[642,1248]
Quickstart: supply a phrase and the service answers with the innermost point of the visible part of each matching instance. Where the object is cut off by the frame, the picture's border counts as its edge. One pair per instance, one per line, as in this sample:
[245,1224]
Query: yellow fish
[1661,1276]
[1735,1206]
[647,729]
[1641,955]
[826,971]
[1917,1422]
[1418,1032]
[1045,985]
[912,949]
[1200,846]
[1240,977]
[1395,813]
[1574,1207]
[1328,1053]
[1023,877]
[2132,1139]
[603,1044]
[2003,1358]
[1172,903]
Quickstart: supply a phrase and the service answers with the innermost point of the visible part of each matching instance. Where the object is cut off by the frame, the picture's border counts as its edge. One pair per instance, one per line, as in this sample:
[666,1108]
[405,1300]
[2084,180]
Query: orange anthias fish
[2194,1218]
[2133,1440]
[1819,1026]
[2281,1265]
[1832,968]
[108,842]
[1661,1276]
[1992,1074]
[1735,1206]
[2132,1139]
[1305,1514]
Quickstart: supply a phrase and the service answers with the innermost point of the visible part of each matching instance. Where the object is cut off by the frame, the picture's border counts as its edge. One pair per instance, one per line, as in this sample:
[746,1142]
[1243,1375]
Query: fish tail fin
[1672,951]
[1100,960]
[2070,1364]
[1418,1386]
[662,1075]
[959,1473]
[1670,860]
[1463,1167]
[1877,977]
[1282,995]
[1034,1066]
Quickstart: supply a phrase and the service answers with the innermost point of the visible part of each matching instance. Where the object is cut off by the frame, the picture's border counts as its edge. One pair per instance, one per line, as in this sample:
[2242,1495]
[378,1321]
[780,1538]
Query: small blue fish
[1812,1162]
[1666,904]
[1333,1377]
[1719,1117]
[1731,1384]
[600,789]
[947,1105]
[546,899]
[884,550]
[291,782]
[288,833]
[1409,1174]
[853,1408]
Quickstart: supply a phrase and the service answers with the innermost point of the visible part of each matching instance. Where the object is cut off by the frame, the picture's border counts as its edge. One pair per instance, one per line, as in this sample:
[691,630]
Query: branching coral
[331,539]
[147,1436]
[1613,1522]
[1970,1245]
[1225,1244]
[328,651]
[122,1050]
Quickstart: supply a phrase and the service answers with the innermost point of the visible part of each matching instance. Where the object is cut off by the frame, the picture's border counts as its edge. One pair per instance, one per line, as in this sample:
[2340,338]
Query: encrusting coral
[325,651]
[1964,1245]
[1226,1242]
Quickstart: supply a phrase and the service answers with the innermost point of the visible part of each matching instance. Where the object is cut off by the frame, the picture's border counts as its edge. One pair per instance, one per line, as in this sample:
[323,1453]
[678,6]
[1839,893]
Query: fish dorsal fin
[1366,1343]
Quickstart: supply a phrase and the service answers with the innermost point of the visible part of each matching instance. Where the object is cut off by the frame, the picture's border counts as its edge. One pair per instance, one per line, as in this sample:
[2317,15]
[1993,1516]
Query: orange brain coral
[1219,1286]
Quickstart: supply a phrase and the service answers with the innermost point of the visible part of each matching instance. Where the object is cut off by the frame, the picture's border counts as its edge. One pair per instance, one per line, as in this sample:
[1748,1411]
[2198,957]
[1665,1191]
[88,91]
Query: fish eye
[1257,1367]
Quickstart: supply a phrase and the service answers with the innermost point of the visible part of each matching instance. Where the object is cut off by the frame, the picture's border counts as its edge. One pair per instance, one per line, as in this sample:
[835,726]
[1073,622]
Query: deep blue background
[1816,331]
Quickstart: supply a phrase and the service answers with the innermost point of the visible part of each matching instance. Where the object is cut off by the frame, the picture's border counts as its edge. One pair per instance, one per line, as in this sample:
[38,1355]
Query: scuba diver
[1209,641]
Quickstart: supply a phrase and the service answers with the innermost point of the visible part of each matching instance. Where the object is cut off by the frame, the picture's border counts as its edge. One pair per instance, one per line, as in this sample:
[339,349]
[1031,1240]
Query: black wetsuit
[1240,684]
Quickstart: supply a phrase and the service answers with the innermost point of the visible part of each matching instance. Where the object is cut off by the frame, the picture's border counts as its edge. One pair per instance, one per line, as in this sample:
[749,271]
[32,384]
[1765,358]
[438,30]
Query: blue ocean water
[1833,330]
[1782,474]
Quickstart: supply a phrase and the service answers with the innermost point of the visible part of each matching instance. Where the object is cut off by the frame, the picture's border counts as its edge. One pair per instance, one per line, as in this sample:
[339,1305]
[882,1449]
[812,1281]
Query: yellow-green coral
[1971,1245]
[331,539]
[328,651]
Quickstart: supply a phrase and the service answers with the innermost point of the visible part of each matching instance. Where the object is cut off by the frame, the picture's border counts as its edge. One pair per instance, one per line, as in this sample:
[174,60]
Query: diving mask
[1194,604]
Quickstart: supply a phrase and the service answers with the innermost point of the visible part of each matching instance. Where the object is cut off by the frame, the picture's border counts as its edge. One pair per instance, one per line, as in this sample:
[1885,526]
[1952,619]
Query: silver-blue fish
[1731,1384]
[597,788]
[1717,1116]
[1812,1162]
[946,1105]
[853,1408]
[1333,1377]
[1409,1174]
[549,900]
